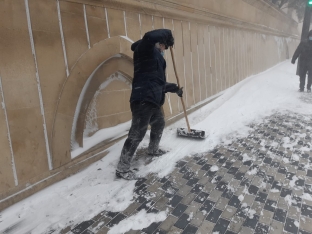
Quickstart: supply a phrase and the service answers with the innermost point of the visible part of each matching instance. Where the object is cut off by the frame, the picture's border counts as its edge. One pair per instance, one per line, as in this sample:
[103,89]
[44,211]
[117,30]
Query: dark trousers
[303,73]
[143,114]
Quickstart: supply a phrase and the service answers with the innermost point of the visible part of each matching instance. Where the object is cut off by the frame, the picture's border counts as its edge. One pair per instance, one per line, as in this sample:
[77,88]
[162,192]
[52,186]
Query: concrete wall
[66,65]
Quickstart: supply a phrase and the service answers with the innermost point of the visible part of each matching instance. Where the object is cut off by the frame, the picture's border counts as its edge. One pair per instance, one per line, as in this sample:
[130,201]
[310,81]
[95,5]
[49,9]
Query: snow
[214,168]
[94,189]
[138,222]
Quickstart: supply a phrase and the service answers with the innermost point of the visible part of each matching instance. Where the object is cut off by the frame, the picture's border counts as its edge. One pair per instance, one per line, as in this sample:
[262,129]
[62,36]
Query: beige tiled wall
[49,56]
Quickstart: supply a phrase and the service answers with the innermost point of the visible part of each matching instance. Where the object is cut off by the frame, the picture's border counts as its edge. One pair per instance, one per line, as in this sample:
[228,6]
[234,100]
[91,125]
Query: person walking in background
[304,52]
[148,95]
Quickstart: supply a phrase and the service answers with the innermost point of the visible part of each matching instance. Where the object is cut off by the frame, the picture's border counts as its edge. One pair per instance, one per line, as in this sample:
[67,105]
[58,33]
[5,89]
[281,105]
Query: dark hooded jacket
[149,80]
[304,52]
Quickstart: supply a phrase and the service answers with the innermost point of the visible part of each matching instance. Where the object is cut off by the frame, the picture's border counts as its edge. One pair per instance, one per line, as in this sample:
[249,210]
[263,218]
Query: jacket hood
[135,44]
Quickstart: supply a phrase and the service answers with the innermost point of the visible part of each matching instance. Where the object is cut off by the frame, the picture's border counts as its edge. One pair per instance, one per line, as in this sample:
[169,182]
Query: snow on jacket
[149,80]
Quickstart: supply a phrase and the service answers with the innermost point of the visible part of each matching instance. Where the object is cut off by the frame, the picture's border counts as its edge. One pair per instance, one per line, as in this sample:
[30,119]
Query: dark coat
[304,50]
[149,80]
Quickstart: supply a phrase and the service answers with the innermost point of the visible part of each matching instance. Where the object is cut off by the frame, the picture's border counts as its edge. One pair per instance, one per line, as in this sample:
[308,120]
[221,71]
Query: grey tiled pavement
[257,188]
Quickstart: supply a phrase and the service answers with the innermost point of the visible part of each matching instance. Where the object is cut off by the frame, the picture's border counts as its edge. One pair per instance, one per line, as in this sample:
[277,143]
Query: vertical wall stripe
[153,27]
[199,77]
[38,85]
[107,23]
[9,134]
[86,24]
[215,50]
[210,68]
[192,77]
[167,94]
[62,36]
[205,69]
[185,92]
[228,66]
[125,22]
[140,25]
[224,59]
[220,61]
[163,20]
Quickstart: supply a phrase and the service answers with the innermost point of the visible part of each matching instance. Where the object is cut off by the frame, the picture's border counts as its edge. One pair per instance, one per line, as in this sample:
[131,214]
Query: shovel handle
[178,81]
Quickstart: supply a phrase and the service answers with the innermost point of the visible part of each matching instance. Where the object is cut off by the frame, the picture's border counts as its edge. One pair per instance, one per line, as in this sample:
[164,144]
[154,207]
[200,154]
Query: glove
[180,92]
[293,62]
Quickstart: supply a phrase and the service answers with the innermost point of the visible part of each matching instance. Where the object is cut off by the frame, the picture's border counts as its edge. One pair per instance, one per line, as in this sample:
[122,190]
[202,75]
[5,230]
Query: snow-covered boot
[157,153]
[300,90]
[309,91]
[128,175]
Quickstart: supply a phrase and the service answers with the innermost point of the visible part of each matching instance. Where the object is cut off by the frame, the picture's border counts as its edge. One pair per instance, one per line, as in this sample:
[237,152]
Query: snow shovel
[185,132]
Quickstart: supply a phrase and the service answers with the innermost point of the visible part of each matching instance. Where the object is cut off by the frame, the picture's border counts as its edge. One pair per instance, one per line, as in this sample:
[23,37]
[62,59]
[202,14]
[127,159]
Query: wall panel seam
[38,85]
[62,36]
[107,23]
[86,25]
[9,135]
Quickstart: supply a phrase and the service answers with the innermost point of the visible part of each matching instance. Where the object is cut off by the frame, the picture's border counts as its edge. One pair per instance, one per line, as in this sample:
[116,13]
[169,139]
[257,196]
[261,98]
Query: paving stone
[132,207]
[208,187]
[188,198]
[193,208]
[174,201]
[183,221]
[179,210]
[258,207]
[229,212]
[262,229]
[161,204]
[175,230]
[294,212]
[256,181]
[168,223]
[306,210]
[190,229]
[246,230]
[280,215]
[282,203]
[291,225]
[222,203]
[179,181]
[184,190]
[266,217]
[221,226]
[274,195]
[215,195]
[206,227]
[214,215]
[270,205]
[236,224]
[197,188]
[248,199]
[100,223]
[116,220]
[103,230]
[198,218]
[306,224]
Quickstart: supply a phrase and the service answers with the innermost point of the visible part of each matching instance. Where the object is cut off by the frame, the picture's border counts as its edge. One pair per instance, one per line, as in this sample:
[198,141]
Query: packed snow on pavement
[94,189]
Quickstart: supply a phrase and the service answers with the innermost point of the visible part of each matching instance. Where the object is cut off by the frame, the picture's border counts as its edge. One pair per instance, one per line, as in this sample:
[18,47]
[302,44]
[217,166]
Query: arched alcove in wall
[102,76]
[110,55]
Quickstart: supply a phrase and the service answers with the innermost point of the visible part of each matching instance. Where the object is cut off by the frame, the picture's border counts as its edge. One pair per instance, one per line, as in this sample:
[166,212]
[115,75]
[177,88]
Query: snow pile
[138,222]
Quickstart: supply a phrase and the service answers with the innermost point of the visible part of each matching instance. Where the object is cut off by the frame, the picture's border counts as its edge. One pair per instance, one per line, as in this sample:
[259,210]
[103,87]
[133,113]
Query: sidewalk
[254,185]
[252,174]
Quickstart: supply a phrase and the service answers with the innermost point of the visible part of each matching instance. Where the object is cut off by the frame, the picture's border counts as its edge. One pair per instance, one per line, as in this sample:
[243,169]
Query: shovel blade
[193,133]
